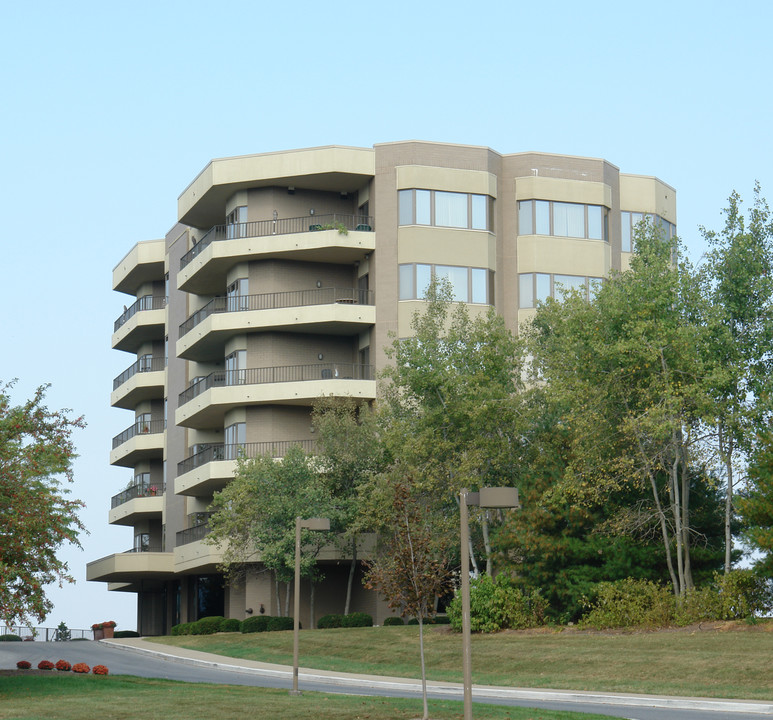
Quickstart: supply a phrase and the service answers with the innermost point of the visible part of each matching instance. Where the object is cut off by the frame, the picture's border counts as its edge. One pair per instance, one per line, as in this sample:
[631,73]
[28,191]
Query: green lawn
[724,662]
[126,698]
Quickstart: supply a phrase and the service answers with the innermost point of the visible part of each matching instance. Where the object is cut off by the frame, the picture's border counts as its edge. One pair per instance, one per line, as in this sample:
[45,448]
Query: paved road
[136,657]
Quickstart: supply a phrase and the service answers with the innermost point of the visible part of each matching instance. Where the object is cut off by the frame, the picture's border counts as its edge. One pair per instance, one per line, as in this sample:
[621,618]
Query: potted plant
[103,630]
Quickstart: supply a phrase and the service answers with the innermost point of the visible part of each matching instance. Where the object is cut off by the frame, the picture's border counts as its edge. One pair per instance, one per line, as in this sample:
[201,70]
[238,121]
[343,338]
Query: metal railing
[144,364]
[139,428]
[197,532]
[220,451]
[147,302]
[44,634]
[136,491]
[286,226]
[280,374]
[150,547]
[272,301]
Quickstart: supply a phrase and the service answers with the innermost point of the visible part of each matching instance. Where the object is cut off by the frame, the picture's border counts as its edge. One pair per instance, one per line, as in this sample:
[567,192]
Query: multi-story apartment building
[281,282]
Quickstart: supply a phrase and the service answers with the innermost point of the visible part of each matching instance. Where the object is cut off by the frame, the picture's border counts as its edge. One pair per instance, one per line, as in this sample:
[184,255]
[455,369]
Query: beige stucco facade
[284,278]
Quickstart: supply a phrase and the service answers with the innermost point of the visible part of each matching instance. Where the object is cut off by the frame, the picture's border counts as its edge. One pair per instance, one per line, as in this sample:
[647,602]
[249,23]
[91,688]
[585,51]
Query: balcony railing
[139,428]
[286,226]
[144,364]
[148,547]
[135,491]
[219,451]
[147,302]
[197,532]
[289,373]
[272,301]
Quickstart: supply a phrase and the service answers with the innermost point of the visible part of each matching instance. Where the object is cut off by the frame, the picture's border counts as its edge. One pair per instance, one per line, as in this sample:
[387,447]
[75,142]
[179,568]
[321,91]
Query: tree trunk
[686,521]
[311,605]
[676,511]
[276,589]
[728,453]
[350,581]
[425,716]
[287,599]
[664,533]
[486,542]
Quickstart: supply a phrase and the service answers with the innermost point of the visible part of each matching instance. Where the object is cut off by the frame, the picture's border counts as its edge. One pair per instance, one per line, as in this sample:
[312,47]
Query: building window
[235,436]
[561,219]
[237,293]
[236,223]
[629,221]
[439,208]
[235,365]
[534,288]
[468,284]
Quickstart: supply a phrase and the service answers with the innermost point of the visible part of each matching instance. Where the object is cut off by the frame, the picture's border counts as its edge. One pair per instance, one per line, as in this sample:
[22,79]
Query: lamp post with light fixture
[311,524]
[488,497]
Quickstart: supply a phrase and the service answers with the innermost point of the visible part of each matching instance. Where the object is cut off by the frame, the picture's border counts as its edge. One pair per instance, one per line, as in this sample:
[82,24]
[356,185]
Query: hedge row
[356,619]
[217,623]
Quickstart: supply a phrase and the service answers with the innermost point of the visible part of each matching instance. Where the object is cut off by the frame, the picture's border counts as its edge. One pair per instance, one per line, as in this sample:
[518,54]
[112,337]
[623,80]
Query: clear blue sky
[110,109]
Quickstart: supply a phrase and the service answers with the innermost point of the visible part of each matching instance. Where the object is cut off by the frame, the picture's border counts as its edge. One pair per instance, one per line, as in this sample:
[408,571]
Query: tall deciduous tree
[451,400]
[36,518]
[411,566]
[254,517]
[739,283]
[627,371]
[349,451]
[756,506]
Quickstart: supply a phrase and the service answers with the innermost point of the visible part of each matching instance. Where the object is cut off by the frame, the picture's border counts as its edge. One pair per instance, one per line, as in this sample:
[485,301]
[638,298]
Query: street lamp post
[311,524]
[489,497]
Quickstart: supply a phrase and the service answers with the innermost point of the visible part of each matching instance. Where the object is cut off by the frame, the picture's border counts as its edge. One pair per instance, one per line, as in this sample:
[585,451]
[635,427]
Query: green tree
[756,506]
[451,398]
[36,518]
[254,517]
[349,450]
[625,370]
[411,567]
[739,284]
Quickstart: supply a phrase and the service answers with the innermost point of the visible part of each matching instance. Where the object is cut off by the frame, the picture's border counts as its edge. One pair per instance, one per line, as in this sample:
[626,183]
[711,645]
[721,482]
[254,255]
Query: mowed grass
[125,697]
[727,661]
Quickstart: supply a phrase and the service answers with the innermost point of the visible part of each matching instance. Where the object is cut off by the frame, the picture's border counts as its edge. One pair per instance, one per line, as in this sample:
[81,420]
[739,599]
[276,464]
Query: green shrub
[259,623]
[629,603]
[10,638]
[330,621]
[413,621]
[739,594]
[182,629]
[498,605]
[357,619]
[207,625]
[280,623]
[230,625]
[394,620]
[127,633]
[441,620]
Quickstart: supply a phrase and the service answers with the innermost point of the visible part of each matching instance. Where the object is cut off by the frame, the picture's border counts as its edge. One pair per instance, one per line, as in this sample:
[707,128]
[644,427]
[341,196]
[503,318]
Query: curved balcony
[142,380]
[322,311]
[138,502]
[140,441]
[132,566]
[212,467]
[143,321]
[204,403]
[142,264]
[334,238]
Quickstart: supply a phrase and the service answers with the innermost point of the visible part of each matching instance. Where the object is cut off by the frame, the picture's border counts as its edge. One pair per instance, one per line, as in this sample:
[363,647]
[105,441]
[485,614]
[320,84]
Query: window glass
[525,220]
[569,220]
[423,279]
[423,207]
[594,285]
[625,225]
[526,290]
[543,287]
[451,209]
[406,283]
[594,222]
[405,201]
[479,212]
[542,213]
[457,276]
[565,283]
[479,289]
